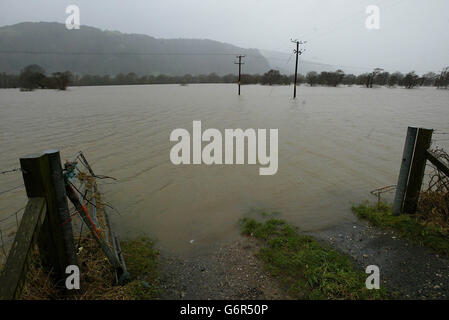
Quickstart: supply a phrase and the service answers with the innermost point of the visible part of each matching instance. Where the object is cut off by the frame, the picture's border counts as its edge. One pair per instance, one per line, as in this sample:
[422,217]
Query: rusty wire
[433,204]
[379,191]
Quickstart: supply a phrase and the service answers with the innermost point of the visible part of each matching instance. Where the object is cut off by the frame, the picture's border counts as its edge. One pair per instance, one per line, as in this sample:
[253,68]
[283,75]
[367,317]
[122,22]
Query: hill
[91,50]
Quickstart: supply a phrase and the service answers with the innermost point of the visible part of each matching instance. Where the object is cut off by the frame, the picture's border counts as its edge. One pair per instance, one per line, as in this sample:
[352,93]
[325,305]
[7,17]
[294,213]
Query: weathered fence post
[13,275]
[417,169]
[404,171]
[43,177]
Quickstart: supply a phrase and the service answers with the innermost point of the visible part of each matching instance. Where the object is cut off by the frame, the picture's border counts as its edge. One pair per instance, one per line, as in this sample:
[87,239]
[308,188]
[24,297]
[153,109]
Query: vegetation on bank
[142,263]
[418,229]
[429,226]
[33,77]
[97,275]
[307,269]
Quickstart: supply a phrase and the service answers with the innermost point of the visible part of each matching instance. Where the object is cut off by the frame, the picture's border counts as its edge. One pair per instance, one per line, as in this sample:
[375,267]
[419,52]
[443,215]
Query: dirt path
[232,272]
[414,272]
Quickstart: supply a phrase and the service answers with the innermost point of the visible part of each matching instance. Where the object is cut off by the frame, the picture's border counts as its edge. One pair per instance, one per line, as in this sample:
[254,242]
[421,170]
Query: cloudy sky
[413,34]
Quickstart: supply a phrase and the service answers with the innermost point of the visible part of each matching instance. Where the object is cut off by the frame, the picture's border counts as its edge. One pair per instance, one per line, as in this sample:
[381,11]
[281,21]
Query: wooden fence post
[58,183]
[13,276]
[417,169]
[43,177]
[404,171]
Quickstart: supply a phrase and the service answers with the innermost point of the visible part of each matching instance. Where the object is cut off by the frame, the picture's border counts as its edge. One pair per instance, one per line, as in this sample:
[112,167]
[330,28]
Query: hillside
[93,51]
[285,63]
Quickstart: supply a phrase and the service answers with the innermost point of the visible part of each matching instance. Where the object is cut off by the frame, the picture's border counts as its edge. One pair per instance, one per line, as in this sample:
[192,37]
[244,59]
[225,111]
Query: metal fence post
[407,156]
[417,169]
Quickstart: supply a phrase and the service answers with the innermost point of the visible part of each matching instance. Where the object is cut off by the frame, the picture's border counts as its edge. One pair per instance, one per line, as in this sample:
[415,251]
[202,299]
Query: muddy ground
[233,271]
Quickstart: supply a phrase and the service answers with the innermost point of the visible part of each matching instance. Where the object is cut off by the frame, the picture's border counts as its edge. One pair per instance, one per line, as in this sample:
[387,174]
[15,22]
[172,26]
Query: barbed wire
[9,171]
[12,189]
[379,191]
[6,222]
[11,215]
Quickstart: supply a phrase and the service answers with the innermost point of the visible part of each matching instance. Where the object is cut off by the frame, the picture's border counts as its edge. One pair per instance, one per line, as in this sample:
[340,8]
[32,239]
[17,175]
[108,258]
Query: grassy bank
[411,227]
[97,276]
[306,268]
[142,263]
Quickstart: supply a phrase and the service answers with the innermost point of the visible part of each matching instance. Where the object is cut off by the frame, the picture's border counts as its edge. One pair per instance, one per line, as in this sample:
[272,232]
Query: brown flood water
[335,145]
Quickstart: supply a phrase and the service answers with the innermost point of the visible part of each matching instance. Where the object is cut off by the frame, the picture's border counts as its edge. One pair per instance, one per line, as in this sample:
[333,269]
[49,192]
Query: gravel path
[412,271]
[232,272]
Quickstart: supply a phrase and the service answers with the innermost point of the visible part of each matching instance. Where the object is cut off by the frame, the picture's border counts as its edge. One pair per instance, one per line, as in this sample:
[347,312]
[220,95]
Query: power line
[121,53]
[180,54]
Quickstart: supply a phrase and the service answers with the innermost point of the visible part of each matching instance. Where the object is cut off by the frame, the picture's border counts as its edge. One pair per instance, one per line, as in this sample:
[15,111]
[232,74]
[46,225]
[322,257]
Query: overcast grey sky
[413,34]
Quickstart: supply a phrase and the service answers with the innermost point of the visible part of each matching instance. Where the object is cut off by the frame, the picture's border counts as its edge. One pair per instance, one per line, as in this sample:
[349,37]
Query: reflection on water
[335,145]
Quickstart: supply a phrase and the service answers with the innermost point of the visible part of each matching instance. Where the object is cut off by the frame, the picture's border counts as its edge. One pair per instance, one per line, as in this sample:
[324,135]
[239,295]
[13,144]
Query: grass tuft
[142,263]
[410,227]
[306,268]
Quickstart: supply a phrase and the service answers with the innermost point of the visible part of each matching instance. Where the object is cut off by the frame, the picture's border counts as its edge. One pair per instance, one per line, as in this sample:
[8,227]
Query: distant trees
[349,79]
[395,79]
[325,78]
[33,77]
[60,80]
[230,78]
[274,77]
[372,76]
[131,78]
[362,79]
[429,79]
[312,78]
[410,80]
[443,80]
[9,80]
[381,78]
[248,79]
[335,78]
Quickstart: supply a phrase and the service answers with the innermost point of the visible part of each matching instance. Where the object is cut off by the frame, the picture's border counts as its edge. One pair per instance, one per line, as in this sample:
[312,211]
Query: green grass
[406,226]
[142,263]
[305,267]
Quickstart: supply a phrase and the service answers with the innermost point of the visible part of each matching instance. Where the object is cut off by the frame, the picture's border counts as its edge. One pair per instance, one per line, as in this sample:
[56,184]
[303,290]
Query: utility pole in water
[240,68]
[298,53]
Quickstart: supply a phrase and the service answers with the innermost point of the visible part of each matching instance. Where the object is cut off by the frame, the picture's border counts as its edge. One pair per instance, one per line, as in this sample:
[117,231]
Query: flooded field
[335,145]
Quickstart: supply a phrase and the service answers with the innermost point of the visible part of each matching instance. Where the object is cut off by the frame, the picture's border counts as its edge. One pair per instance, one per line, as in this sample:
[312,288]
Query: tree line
[34,77]
[271,77]
[379,77]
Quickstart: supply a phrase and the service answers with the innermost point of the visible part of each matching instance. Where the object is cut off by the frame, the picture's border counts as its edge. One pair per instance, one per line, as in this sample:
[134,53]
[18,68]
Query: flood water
[335,145]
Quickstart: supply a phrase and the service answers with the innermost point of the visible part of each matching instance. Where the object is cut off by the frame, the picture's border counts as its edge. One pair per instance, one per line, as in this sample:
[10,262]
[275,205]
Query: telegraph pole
[298,53]
[240,68]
